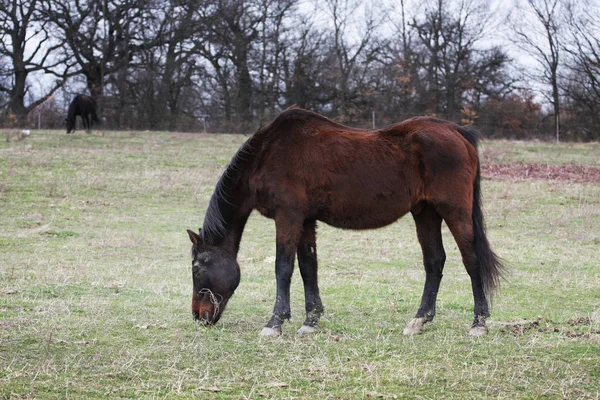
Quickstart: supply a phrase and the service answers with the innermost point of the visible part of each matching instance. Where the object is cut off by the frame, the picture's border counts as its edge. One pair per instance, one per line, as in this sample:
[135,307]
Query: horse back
[353,178]
[82,105]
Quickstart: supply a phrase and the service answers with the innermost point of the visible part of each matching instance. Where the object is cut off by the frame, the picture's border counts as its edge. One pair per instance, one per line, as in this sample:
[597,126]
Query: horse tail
[491,267]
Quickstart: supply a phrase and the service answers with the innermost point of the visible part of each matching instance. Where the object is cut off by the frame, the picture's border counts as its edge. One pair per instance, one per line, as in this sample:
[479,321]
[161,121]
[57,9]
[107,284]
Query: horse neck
[228,213]
[71,114]
[231,241]
[232,200]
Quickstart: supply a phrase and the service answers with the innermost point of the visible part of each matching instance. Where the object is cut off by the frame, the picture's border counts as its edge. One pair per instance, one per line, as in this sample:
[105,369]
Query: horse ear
[194,237]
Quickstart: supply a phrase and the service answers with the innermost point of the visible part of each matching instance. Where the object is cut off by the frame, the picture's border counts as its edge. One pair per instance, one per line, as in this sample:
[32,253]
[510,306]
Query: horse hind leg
[461,226]
[428,223]
[308,265]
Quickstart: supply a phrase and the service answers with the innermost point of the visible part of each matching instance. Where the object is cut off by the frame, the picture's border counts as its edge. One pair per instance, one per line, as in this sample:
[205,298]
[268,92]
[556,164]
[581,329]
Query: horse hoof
[305,330]
[477,331]
[414,327]
[270,332]
[411,331]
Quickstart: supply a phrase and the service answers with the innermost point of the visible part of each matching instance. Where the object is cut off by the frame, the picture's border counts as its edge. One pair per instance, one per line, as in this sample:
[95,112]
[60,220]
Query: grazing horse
[303,168]
[85,106]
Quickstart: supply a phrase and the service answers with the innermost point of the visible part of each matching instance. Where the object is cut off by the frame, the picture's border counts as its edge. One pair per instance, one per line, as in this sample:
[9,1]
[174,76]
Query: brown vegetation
[521,172]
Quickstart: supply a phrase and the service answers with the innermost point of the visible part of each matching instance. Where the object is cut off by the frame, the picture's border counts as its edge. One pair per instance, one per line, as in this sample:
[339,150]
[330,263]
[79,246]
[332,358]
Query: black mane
[224,203]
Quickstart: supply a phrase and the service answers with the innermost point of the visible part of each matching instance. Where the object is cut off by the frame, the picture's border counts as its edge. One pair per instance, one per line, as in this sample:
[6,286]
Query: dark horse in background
[303,168]
[84,106]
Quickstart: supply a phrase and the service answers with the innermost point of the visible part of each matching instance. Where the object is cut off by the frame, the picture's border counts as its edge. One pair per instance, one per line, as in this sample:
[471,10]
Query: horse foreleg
[428,223]
[308,265]
[288,235]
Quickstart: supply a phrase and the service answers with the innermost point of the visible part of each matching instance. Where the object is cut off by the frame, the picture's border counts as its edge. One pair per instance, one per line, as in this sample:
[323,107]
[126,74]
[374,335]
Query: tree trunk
[167,106]
[244,92]
[17,98]
[556,105]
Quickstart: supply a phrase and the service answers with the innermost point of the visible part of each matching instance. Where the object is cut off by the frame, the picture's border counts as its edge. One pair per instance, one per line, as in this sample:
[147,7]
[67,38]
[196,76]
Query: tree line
[230,65]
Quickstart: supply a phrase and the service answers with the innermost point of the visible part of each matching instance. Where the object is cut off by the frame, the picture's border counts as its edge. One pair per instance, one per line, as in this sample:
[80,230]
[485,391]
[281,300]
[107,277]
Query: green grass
[95,285]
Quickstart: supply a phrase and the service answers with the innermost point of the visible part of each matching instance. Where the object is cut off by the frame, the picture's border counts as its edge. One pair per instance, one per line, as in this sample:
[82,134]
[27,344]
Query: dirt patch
[579,321]
[523,172]
[522,327]
[580,328]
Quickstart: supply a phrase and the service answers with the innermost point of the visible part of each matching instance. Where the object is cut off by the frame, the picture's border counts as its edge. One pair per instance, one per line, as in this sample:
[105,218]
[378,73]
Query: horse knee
[439,258]
[434,262]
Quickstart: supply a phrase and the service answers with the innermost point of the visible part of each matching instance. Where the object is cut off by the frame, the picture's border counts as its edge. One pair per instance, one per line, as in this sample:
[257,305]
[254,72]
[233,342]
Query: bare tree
[168,60]
[99,35]
[28,46]
[221,75]
[272,42]
[537,26]
[304,67]
[582,78]
[231,30]
[448,54]
[353,57]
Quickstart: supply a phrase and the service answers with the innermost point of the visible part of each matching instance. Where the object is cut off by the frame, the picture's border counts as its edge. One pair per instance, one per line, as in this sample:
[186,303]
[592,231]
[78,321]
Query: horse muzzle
[206,309]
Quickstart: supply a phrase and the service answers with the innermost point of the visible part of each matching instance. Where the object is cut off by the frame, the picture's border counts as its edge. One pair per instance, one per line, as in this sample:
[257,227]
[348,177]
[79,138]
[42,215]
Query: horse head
[70,123]
[215,276]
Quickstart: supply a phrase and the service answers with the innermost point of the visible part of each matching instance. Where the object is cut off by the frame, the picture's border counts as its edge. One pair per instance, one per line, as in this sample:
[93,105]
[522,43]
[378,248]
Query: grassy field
[95,285]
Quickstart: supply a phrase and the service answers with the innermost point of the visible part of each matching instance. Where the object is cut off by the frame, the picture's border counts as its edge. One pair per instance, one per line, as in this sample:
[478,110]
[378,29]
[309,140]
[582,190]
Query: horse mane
[73,106]
[224,202]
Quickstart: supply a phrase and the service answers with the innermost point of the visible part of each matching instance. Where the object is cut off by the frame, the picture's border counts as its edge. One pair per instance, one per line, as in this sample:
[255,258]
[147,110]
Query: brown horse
[303,168]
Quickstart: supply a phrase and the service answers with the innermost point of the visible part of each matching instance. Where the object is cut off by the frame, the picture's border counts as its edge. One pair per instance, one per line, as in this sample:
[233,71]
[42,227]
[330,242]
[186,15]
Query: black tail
[491,267]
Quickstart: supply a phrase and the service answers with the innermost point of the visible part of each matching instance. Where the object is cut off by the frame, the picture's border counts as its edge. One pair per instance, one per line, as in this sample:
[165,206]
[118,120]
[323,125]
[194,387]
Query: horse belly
[363,209]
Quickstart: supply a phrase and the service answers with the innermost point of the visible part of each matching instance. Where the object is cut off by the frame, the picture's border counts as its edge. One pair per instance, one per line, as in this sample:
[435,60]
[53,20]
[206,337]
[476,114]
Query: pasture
[95,283]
